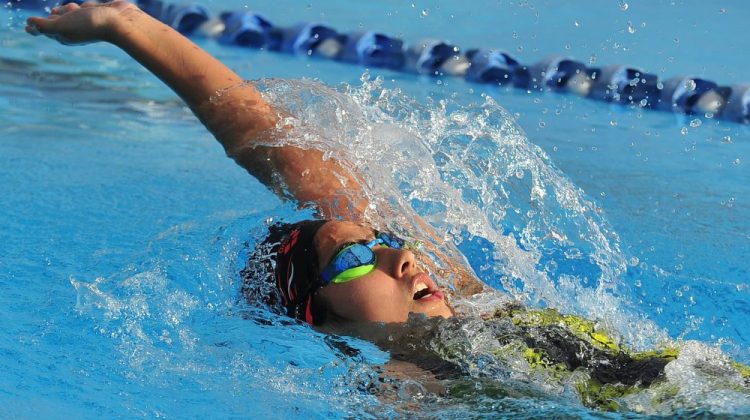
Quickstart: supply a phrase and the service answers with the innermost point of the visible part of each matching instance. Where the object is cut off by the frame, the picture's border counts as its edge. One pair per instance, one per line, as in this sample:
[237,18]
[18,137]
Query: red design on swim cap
[289,243]
[308,310]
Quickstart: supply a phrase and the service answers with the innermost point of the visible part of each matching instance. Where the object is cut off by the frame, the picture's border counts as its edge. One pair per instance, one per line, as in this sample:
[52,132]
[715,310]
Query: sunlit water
[124,228]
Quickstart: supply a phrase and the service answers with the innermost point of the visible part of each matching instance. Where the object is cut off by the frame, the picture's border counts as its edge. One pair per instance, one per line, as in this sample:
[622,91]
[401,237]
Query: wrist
[122,19]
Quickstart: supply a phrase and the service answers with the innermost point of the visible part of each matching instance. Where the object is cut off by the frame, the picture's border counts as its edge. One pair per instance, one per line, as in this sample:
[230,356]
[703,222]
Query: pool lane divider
[620,84]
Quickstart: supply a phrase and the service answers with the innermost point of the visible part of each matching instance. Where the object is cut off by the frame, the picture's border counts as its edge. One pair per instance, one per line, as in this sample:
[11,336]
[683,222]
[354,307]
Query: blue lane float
[309,38]
[372,49]
[625,85]
[619,84]
[428,57]
[682,94]
[244,29]
[552,73]
[737,106]
[491,66]
[186,18]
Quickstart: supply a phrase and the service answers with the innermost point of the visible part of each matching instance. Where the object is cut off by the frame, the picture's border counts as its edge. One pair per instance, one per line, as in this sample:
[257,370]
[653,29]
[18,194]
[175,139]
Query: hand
[76,25]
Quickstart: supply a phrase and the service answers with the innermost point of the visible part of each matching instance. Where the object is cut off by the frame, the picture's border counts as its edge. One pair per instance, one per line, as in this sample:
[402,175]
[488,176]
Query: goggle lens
[357,260]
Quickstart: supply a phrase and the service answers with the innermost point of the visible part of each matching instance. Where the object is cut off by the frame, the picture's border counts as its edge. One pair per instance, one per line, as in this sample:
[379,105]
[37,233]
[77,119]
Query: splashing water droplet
[736,162]
[425,13]
[690,85]
[613,123]
[727,139]
[728,203]
[684,131]
[435,130]
[722,10]
[577,23]
[631,28]
[624,5]
[696,123]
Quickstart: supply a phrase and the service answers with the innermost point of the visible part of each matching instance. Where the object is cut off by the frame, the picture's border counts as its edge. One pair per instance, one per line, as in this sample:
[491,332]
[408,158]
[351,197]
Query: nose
[399,263]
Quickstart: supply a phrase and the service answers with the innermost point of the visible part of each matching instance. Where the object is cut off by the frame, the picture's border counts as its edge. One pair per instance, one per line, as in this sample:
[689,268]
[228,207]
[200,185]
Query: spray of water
[472,173]
[475,177]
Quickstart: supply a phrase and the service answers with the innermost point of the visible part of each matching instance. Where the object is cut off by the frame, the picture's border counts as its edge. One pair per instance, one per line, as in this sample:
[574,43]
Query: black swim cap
[289,253]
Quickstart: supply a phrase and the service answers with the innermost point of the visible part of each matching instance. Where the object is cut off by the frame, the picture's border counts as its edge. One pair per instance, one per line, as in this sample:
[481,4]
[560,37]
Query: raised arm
[234,111]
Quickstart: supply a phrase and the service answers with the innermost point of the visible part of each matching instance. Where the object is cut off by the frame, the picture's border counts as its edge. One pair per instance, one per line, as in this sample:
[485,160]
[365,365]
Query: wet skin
[384,295]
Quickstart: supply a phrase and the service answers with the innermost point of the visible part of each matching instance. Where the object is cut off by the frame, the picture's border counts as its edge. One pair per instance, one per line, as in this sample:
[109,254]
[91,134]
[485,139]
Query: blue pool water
[123,225]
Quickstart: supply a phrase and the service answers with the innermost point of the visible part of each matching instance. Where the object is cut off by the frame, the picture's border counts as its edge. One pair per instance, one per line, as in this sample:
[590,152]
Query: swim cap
[292,258]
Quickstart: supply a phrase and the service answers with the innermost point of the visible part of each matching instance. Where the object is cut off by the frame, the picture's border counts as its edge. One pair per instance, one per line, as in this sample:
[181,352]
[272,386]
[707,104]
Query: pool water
[124,226]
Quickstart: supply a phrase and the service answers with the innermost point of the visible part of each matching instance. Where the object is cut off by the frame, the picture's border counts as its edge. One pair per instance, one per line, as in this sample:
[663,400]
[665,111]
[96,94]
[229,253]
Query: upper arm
[246,126]
[305,176]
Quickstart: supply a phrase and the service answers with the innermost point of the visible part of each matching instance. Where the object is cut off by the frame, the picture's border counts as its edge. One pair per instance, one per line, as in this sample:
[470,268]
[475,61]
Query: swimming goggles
[357,259]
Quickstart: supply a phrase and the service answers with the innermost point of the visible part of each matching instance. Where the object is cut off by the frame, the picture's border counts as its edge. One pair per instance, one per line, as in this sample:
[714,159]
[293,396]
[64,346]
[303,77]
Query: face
[387,293]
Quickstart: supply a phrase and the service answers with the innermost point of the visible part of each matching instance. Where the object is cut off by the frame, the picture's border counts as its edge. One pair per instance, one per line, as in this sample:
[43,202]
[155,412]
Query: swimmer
[340,273]
[245,125]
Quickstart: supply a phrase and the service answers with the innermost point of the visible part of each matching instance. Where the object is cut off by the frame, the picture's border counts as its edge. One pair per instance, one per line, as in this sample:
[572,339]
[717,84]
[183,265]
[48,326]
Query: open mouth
[425,290]
[422,291]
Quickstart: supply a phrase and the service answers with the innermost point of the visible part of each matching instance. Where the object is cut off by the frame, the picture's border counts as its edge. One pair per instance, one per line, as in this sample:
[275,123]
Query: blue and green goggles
[357,259]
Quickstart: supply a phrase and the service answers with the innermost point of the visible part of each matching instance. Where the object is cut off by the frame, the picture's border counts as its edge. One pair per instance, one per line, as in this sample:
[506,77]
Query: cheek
[368,299]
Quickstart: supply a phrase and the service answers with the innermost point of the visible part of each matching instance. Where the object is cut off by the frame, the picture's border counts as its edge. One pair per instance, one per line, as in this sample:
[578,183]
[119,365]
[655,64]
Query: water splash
[472,173]
[702,379]
[177,317]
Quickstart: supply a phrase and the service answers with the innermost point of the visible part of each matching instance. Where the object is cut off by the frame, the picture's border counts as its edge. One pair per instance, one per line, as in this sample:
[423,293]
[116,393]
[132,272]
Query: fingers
[61,10]
[39,25]
[32,30]
[32,26]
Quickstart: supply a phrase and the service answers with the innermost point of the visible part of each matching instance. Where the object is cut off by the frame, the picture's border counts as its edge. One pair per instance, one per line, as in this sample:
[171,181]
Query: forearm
[237,114]
[192,73]
[233,110]
[188,70]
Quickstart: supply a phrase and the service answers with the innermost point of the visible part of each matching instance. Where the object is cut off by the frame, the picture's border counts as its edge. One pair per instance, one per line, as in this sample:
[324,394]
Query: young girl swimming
[246,125]
[339,273]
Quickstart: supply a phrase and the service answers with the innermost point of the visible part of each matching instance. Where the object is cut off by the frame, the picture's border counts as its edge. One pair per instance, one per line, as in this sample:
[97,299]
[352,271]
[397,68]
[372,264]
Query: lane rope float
[621,84]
